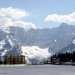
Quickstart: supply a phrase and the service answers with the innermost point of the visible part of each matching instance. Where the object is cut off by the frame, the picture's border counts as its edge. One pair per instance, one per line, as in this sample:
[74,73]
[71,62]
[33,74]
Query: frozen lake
[37,70]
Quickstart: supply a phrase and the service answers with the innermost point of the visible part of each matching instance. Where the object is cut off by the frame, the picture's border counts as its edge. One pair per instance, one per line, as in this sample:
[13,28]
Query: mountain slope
[69,48]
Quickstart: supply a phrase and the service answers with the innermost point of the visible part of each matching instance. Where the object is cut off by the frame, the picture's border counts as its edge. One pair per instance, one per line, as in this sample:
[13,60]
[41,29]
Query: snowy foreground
[37,70]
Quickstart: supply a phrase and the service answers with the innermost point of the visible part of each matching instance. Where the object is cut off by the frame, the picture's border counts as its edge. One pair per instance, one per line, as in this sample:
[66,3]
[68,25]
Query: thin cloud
[61,18]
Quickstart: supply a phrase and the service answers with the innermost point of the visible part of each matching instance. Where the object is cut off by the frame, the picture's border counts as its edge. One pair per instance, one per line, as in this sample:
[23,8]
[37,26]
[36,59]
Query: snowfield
[37,70]
[35,54]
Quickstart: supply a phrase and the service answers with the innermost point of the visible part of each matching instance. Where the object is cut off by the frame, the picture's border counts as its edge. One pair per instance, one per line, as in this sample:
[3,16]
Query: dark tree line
[62,58]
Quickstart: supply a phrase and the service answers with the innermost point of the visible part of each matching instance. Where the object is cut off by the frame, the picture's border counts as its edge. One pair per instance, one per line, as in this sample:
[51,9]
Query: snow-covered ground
[37,70]
[35,54]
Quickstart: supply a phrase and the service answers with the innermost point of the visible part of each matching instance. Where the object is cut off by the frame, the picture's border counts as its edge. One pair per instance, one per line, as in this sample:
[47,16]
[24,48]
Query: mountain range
[36,44]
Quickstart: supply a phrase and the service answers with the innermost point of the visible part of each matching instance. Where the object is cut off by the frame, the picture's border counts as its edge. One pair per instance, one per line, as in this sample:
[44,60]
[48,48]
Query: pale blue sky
[40,9]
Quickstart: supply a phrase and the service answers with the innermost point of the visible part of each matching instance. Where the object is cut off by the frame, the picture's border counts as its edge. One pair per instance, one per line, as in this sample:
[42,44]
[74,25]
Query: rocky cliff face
[69,48]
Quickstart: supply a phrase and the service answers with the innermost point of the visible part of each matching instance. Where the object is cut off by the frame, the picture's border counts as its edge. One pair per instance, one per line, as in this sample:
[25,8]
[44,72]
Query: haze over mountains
[36,44]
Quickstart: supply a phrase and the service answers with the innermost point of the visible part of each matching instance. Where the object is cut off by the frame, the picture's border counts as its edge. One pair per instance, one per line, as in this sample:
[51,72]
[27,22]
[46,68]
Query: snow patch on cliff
[35,54]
